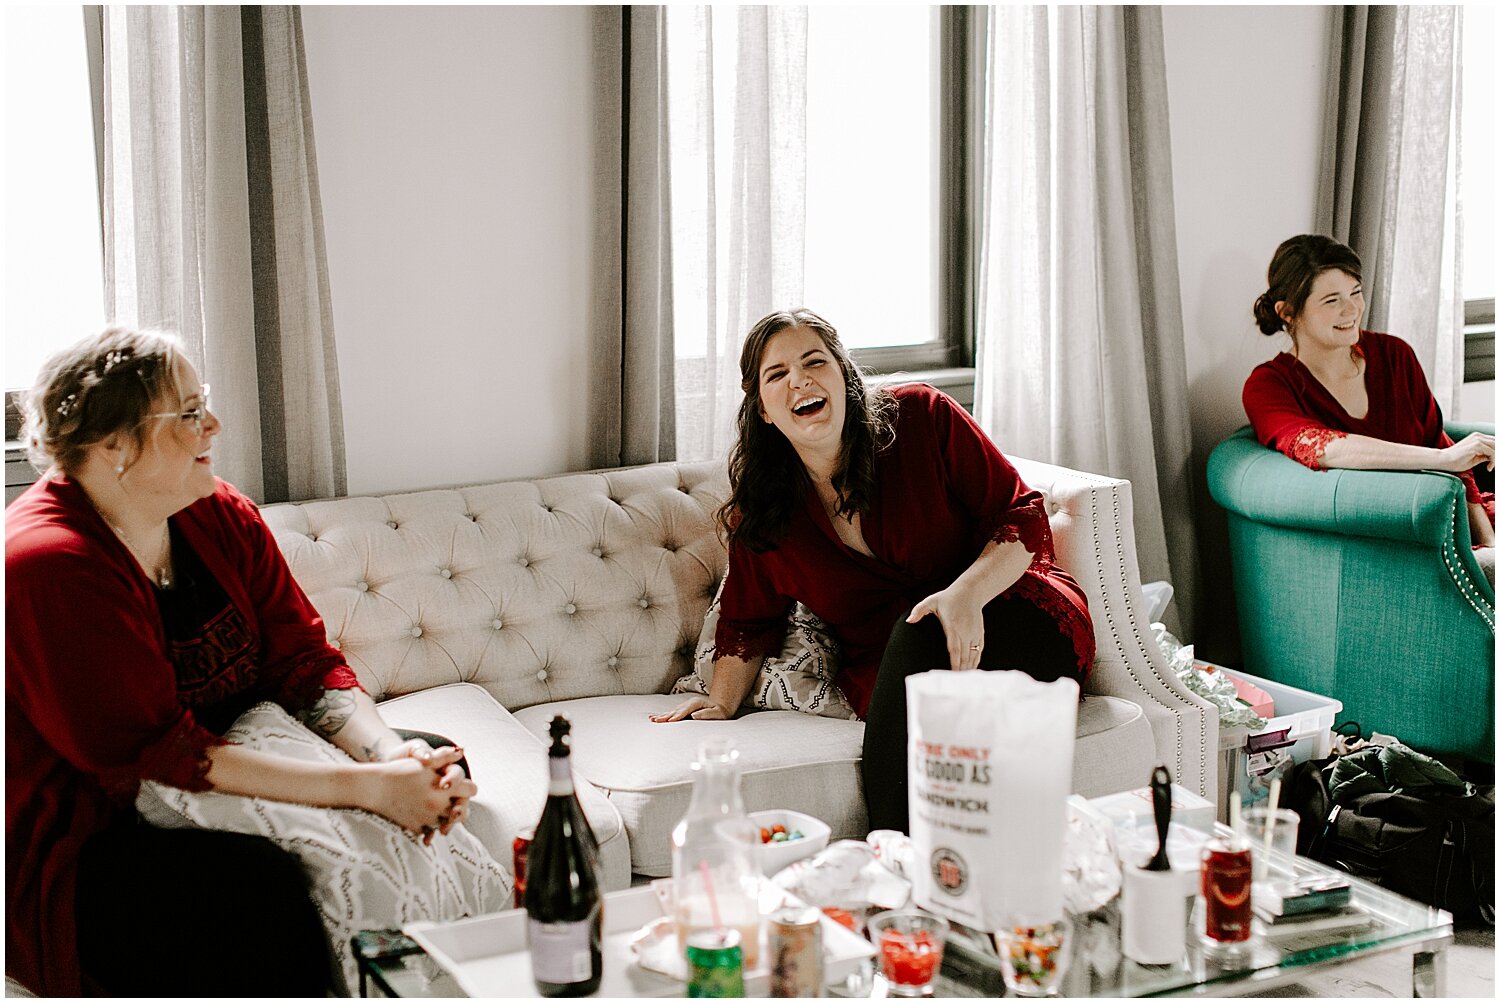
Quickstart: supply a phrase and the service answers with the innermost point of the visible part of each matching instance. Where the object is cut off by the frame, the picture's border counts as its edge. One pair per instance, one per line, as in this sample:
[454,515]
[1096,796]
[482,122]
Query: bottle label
[559,776]
[560,952]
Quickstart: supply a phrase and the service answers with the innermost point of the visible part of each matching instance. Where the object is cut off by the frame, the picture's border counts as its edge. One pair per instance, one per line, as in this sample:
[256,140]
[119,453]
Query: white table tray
[487,955]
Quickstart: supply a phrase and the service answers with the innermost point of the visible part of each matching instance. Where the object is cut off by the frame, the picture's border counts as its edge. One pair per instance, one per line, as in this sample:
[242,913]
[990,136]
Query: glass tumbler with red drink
[910,946]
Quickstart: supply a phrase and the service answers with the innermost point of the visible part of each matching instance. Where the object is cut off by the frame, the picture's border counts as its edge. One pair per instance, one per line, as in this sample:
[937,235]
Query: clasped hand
[963,624]
[424,789]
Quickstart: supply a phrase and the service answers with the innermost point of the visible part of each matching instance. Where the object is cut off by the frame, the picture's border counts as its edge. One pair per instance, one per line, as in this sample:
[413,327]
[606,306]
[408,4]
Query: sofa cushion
[787,760]
[799,678]
[1115,748]
[510,766]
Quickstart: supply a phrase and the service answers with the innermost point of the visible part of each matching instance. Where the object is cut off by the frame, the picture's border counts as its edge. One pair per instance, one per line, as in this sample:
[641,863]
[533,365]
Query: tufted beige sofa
[479,612]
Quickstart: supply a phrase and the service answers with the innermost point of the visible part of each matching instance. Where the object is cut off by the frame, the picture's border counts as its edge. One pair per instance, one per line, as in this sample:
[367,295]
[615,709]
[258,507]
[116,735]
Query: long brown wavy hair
[767,480]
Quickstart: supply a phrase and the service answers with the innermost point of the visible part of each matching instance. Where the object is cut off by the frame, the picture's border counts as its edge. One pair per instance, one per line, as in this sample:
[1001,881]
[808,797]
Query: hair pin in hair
[68,404]
[114,358]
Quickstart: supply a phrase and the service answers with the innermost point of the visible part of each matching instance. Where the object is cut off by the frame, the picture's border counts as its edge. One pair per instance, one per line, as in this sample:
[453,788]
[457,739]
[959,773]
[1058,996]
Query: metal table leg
[1429,974]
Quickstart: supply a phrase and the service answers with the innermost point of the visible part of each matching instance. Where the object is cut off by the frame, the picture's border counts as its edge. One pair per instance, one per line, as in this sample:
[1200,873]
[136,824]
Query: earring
[119,470]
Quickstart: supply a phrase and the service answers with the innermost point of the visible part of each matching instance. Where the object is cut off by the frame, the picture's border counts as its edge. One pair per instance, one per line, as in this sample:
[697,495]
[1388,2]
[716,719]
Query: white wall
[455,152]
[1245,89]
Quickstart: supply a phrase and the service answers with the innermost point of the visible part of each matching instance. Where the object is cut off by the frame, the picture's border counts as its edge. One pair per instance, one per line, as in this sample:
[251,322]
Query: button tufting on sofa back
[571,586]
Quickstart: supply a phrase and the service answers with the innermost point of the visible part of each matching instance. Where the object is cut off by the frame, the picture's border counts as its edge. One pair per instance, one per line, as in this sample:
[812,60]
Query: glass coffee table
[1097,968]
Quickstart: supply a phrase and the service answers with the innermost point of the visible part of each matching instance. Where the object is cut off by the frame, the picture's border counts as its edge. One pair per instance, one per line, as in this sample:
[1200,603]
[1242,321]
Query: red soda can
[1226,890]
[519,847]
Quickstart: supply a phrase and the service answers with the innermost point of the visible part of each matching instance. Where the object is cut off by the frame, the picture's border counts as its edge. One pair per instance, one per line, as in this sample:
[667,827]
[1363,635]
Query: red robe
[92,705]
[1293,413]
[942,491]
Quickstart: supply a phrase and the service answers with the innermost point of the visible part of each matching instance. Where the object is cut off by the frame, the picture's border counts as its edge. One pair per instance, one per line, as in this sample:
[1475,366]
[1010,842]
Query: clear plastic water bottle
[715,871]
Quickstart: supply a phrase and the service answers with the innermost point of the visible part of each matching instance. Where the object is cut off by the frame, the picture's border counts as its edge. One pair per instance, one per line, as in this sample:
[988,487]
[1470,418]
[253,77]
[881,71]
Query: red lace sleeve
[1308,445]
[1027,524]
[748,638]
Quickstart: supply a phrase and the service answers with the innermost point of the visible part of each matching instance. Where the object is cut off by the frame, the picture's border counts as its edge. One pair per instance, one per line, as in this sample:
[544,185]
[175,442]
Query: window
[1477,190]
[887,182]
[872,178]
[54,273]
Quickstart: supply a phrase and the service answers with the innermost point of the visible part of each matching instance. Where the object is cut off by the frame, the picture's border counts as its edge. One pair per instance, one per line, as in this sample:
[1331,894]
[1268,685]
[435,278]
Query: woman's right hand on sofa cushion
[697,708]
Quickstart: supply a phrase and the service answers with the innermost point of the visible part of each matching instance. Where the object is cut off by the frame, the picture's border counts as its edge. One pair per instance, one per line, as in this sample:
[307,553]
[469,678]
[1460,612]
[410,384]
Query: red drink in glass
[1226,891]
[910,960]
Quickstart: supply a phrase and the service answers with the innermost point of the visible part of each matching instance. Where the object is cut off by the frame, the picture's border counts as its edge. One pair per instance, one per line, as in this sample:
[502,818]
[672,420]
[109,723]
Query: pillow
[364,871]
[800,678]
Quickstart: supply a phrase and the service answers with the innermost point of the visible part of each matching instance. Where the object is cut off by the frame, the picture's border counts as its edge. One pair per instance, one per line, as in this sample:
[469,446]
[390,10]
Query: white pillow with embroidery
[365,872]
[800,678]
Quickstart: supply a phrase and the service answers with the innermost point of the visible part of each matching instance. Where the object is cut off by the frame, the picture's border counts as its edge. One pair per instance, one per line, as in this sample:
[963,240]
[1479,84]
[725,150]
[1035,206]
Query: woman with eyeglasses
[893,517]
[147,606]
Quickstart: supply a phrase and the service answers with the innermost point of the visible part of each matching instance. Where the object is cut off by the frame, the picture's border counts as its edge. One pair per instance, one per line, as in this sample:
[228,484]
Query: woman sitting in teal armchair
[1347,397]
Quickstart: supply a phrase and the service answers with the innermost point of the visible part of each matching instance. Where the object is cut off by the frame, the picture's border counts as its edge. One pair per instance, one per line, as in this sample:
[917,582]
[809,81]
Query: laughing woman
[146,607]
[891,516]
[1347,397]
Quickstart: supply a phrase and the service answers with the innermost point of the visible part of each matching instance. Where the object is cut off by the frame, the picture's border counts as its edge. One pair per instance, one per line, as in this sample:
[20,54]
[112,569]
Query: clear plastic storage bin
[1300,731]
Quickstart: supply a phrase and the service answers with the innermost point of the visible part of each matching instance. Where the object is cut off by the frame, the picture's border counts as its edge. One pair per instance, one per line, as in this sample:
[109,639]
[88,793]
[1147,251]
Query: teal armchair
[1361,585]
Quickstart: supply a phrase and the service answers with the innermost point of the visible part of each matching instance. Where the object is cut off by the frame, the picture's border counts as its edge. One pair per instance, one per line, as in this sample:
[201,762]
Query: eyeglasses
[194,415]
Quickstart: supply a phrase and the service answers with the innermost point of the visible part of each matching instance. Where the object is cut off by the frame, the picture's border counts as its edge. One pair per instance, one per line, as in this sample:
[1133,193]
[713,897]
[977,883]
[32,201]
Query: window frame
[1479,340]
[950,357]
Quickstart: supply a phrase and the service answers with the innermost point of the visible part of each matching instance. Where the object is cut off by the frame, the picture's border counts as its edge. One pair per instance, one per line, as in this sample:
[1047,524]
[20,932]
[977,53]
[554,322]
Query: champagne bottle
[564,907]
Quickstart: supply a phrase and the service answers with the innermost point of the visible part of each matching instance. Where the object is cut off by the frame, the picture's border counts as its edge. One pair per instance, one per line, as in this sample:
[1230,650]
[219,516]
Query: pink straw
[713,903]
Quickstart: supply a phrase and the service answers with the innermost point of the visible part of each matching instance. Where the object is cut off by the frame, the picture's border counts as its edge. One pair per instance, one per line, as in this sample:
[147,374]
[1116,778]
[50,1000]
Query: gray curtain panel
[631,398]
[685,263]
[1080,357]
[213,228]
[1388,180]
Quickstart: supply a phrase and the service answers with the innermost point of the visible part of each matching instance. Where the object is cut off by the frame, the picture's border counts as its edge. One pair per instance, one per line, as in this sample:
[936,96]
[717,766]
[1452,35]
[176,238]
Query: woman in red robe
[146,606]
[892,517]
[1346,397]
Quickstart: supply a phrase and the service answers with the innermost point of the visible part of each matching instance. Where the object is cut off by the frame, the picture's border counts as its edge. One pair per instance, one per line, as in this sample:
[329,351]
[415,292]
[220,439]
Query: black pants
[194,912]
[1017,635]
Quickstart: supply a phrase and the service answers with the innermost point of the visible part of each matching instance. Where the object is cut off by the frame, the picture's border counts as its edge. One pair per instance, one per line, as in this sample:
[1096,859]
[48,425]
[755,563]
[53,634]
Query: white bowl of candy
[787,836]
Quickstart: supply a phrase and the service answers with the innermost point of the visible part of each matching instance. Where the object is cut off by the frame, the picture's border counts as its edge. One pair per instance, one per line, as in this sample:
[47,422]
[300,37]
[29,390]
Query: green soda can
[715,965]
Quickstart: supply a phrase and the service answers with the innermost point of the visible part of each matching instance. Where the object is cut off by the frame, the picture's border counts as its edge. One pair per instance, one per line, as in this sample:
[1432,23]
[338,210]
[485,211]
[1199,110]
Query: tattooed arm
[348,719]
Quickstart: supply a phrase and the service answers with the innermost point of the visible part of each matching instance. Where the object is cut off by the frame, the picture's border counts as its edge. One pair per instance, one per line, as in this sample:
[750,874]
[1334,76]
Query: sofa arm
[1094,535]
[1261,484]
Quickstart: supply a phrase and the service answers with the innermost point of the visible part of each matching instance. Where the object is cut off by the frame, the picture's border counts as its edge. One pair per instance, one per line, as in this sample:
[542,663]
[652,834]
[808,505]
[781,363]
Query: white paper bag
[990,764]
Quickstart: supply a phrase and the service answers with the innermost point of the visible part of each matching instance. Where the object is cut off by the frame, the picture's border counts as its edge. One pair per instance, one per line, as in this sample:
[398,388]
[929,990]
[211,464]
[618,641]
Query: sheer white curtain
[1080,357]
[736,116]
[213,228]
[1389,184]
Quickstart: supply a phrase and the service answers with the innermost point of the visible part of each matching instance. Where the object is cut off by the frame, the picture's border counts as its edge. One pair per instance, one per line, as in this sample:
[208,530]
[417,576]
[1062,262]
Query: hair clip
[69,402]
[114,358]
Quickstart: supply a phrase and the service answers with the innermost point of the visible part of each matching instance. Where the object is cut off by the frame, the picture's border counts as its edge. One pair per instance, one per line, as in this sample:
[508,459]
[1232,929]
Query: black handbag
[1437,848]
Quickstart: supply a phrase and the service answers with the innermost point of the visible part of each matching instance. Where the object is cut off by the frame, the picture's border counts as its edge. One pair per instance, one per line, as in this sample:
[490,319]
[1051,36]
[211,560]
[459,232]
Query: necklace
[161,574]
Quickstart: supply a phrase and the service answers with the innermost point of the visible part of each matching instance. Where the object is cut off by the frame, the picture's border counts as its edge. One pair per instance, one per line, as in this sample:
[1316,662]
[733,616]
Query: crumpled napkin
[846,874]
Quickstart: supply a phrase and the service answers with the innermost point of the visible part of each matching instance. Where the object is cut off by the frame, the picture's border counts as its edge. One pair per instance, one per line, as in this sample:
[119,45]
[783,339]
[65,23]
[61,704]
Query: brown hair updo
[104,385]
[1295,266]
[766,477]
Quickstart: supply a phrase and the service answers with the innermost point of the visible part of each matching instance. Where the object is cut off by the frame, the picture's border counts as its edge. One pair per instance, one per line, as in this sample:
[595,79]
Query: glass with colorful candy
[1034,956]
[910,946]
